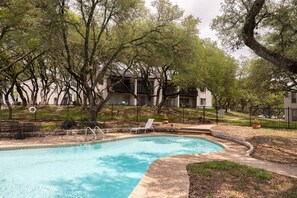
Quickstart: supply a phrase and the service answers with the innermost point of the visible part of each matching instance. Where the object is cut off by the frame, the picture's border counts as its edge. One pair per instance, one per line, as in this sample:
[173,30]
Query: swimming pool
[110,169]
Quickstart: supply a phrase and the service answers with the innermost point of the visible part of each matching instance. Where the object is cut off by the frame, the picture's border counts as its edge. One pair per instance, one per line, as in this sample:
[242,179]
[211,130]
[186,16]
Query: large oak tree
[267,27]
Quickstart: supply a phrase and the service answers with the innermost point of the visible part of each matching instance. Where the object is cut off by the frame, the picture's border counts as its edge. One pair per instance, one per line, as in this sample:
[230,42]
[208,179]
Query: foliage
[267,27]
[214,70]
[271,78]
[258,86]
[68,124]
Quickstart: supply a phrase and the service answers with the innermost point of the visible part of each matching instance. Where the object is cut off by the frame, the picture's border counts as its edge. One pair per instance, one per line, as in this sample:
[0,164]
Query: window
[202,101]
[293,97]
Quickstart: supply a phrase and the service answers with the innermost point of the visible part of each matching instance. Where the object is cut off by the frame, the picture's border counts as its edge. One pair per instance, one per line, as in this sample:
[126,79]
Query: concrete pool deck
[166,177]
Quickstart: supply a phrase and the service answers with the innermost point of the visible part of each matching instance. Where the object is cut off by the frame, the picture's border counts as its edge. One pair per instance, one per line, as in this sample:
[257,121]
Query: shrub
[87,123]
[68,124]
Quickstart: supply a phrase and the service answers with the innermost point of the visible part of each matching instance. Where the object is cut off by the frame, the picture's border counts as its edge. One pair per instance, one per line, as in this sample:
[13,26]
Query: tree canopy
[267,27]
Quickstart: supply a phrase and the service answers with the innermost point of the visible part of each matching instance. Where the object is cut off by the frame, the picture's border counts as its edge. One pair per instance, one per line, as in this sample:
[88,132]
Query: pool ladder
[96,128]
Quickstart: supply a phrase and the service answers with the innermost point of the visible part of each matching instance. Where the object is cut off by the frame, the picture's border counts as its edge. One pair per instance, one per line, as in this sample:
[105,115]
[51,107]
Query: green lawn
[229,179]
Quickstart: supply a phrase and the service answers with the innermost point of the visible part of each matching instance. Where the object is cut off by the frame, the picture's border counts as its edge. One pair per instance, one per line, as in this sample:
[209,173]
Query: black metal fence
[274,117]
[267,117]
[201,115]
[184,114]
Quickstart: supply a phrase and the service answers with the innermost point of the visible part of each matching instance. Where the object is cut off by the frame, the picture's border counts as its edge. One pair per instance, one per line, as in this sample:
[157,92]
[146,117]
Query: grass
[229,179]
[131,113]
[230,168]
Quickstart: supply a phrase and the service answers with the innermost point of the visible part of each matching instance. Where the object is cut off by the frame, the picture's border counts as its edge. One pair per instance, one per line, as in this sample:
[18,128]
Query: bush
[68,124]
[87,123]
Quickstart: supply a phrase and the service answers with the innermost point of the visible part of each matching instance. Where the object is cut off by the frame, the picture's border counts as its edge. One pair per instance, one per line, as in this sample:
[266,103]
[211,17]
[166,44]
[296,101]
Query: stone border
[214,133]
[220,134]
[100,141]
[82,131]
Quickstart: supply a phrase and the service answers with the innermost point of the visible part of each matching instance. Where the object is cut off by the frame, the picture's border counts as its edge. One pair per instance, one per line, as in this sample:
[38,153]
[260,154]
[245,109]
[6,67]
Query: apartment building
[290,104]
[130,91]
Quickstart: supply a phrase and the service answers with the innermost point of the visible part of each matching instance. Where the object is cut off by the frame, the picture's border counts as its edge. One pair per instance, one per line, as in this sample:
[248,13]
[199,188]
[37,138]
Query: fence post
[203,114]
[250,116]
[288,117]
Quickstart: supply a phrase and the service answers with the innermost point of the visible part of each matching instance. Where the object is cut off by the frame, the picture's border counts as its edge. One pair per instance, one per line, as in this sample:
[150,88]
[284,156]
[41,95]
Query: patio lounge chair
[148,126]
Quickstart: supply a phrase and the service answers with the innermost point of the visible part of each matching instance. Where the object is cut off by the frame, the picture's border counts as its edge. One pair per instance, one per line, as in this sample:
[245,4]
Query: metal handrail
[100,130]
[89,128]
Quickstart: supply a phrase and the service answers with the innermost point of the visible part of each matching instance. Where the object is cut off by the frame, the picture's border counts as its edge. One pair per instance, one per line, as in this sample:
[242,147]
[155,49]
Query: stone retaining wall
[108,130]
[239,140]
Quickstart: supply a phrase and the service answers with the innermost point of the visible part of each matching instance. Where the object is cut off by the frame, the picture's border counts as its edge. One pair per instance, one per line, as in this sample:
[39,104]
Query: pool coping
[162,181]
[148,184]
[41,146]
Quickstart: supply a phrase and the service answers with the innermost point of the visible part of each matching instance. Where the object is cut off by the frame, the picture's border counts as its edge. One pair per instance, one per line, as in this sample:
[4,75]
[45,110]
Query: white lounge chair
[148,126]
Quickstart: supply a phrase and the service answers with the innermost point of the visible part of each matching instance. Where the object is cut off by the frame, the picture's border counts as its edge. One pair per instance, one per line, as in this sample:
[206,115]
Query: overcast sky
[205,10]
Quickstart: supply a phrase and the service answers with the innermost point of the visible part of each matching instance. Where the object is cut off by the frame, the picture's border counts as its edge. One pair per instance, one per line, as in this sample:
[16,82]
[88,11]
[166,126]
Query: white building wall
[133,100]
[52,96]
[290,105]
[206,96]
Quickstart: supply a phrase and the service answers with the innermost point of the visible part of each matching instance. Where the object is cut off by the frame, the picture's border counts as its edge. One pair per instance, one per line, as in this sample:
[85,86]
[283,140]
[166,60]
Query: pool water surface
[110,169]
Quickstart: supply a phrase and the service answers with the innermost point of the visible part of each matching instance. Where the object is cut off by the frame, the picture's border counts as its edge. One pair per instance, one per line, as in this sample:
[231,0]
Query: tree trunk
[93,112]
[20,91]
[160,105]
[250,41]
[8,105]
[158,96]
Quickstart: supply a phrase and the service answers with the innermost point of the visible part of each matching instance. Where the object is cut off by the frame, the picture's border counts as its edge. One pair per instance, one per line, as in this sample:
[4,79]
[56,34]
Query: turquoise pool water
[110,169]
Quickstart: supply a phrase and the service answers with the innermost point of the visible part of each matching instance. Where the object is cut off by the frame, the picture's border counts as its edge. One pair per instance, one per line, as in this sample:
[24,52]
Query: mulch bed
[275,149]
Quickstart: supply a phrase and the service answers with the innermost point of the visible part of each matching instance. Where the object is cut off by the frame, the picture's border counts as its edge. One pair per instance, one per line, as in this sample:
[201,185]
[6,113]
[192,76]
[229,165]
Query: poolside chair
[148,126]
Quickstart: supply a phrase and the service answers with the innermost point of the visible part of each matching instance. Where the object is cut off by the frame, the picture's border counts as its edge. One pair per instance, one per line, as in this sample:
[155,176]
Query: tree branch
[250,24]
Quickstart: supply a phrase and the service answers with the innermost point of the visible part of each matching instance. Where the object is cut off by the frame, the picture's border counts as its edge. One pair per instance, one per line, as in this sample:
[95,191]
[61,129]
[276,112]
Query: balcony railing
[189,93]
[171,90]
[124,87]
[143,90]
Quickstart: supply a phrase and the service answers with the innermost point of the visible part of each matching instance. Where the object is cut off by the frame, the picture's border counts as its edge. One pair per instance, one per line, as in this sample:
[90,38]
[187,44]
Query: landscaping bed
[273,145]
[275,149]
[229,179]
